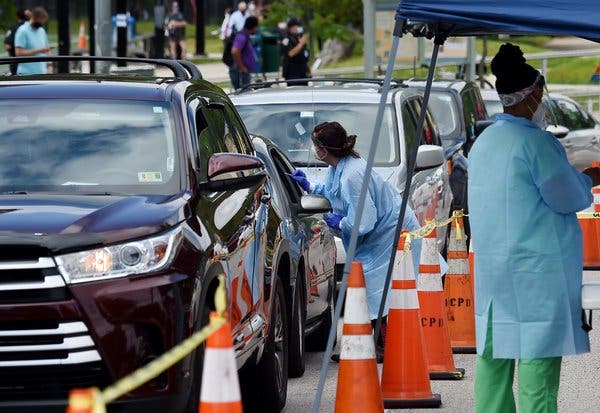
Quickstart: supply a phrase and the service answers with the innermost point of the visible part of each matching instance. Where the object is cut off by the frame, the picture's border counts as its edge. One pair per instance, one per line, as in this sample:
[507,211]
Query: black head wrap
[511,71]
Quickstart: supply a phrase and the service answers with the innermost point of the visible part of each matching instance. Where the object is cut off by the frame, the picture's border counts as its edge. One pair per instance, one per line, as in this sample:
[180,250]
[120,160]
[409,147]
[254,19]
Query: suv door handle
[248,218]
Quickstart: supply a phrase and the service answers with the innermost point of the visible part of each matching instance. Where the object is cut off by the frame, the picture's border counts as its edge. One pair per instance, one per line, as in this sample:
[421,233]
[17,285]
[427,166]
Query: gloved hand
[333,220]
[300,177]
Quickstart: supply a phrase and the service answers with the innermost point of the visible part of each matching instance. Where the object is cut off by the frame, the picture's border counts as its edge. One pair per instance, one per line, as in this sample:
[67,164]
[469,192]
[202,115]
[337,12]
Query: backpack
[227,58]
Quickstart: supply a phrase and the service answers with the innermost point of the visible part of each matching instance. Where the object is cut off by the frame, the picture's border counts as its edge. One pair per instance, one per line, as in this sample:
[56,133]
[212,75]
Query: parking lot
[579,386]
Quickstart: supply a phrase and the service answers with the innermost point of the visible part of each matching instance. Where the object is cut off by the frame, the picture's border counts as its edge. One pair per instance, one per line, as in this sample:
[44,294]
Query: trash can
[270,55]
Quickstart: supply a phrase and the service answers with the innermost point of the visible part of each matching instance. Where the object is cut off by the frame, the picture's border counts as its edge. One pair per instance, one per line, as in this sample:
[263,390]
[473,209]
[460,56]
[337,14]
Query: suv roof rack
[182,70]
[338,80]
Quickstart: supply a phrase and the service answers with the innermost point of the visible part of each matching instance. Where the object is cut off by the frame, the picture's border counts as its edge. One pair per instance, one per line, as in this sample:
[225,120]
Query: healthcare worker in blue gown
[377,230]
[523,198]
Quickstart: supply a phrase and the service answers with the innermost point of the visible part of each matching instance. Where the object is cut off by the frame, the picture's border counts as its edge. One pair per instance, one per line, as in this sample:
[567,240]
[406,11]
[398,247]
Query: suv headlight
[115,261]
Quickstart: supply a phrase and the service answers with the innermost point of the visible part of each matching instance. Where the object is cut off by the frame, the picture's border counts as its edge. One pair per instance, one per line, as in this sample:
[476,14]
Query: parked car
[576,129]
[123,199]
[287,115]
[459,110]
[312,254]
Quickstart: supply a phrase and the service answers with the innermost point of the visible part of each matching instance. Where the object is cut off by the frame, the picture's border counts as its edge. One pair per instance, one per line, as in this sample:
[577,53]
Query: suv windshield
[445,114]
[89,146]
[290,126]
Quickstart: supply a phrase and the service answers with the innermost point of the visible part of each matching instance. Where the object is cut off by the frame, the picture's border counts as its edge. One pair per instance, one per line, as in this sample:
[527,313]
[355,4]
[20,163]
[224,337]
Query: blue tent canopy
[476,17]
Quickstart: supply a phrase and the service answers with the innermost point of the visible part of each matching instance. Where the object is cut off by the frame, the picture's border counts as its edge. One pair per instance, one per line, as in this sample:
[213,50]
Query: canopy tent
[476,17]
[440,19]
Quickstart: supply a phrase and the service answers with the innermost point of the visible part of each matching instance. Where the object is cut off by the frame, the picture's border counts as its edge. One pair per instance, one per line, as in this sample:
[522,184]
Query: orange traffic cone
[83,400]
[220,385]
[590,229]
[358,379]
[405,379]
[459,291]
[433,314]
[596,75]
[82,39]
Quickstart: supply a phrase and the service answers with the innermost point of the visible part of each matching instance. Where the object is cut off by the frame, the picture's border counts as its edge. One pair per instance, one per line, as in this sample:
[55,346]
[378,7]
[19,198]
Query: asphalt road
[579,387]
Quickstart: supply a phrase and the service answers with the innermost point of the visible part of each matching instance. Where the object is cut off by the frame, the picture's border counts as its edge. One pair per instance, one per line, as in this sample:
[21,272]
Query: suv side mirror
[429,156]
[314,204]
[558,131]
[231,171]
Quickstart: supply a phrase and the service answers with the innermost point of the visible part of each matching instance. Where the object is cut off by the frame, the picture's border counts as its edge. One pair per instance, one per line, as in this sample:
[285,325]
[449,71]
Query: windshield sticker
[157,109]
[150,177]
[300,129]
[307,114]
[170,163]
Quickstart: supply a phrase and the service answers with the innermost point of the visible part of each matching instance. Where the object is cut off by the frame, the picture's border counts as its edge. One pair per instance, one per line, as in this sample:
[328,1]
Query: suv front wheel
[265,388]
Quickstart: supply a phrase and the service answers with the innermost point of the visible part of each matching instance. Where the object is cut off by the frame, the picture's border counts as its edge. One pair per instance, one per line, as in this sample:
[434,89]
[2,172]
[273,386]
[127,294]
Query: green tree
[7,15]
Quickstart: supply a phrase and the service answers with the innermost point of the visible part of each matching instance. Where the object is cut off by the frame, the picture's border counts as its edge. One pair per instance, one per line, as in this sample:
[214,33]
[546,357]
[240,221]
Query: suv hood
[63,223]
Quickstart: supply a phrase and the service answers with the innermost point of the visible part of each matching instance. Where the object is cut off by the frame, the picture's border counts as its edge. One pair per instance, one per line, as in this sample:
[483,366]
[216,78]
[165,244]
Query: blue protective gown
[378,224]
[523,198]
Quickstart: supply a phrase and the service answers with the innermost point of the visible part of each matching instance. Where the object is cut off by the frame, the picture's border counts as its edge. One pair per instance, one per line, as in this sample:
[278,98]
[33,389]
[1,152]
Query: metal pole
[411,161]
[359,212]
[121,30]
[200,27]
[92,32]
[369,37]
[471,57]
[64,37]
[103,29]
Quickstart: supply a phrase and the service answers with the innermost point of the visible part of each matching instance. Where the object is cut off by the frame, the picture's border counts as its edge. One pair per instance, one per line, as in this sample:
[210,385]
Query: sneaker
[335,358]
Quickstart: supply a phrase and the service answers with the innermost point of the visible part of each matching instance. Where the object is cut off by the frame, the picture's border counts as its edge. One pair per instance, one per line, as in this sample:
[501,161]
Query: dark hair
[39,13]
[251,23]
[21,14]
[511,71]
[293,22]
[333,137]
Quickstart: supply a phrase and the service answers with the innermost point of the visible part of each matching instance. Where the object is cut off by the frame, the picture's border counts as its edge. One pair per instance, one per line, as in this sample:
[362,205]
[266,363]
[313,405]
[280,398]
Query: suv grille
[42,359]
[31,281]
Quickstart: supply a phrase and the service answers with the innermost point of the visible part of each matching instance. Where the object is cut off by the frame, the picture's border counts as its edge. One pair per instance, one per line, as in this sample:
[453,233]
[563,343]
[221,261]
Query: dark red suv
[121,202]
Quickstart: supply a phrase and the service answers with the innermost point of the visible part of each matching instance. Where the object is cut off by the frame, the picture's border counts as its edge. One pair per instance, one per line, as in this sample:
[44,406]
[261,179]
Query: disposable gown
[523,198]
[378,224]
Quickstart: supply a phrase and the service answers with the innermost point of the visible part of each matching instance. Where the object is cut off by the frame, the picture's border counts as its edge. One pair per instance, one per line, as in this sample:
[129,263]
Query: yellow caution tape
[167,360]
[424,231]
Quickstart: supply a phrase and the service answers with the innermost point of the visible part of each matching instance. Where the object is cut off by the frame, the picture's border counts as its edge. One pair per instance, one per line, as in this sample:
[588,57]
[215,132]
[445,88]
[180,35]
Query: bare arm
[237,58]
[19,51]
[298,48]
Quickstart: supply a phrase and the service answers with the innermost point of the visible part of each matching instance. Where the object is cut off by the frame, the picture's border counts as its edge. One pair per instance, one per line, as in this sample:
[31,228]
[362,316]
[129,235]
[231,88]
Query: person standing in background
[9,41]
[244,56]
[176,28]
[31,40]
[237,19]
[295,54]
[225,24]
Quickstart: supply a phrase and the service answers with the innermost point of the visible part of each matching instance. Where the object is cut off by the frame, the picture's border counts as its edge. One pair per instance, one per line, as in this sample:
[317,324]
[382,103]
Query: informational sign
[121,20]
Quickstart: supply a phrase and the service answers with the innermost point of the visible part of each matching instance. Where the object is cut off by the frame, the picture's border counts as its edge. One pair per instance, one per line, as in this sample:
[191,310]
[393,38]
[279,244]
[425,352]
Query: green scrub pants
[538,382]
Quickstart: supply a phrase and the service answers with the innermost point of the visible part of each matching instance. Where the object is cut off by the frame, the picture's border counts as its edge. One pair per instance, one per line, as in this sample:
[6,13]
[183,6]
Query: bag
[227,58]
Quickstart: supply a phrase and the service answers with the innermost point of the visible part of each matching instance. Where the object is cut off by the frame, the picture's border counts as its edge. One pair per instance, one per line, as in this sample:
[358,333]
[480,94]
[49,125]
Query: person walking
[176,29]
[9,41]
[238,19]
[377,229]
[523,198]
[295,54]
[31,40]
[243,54]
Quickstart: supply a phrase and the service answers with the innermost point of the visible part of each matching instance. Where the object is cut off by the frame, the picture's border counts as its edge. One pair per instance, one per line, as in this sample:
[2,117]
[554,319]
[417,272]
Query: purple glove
[300,177]
[333,220]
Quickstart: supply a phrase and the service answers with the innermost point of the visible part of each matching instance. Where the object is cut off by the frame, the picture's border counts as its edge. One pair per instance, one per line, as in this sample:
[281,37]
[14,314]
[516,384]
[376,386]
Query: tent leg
[359,212]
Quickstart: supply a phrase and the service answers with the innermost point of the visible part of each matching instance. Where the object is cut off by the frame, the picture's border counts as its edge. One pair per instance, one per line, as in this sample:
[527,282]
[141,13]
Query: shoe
[379,354]
[335,358]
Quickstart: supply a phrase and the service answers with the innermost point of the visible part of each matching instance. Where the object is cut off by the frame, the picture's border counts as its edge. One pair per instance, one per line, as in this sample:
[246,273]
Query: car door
[431,195]
[229,215]
[317,241]
[582,141]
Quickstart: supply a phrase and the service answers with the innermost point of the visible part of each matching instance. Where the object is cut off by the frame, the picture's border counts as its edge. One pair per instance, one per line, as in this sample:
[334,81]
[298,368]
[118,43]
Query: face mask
[36,25]
[539,116]
[315,154]
[300,31]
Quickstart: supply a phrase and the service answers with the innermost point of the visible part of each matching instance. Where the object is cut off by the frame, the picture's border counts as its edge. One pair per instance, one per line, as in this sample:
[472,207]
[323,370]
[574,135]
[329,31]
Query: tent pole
[359,212]
[411,161]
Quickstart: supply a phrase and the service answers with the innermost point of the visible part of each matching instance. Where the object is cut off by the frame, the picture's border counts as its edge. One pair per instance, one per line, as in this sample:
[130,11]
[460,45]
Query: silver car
[575,128]
[287,115]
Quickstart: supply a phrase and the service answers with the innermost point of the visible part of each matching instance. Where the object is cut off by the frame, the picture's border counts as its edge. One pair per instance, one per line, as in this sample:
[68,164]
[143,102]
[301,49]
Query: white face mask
[539,116]
[314,151]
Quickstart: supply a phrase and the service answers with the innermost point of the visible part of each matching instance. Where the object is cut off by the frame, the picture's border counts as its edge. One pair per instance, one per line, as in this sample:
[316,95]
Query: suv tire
[264,389]
[297,357]
[198,362]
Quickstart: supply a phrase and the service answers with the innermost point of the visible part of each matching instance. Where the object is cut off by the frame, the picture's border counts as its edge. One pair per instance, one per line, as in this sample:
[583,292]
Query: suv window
[473,108]
[91,146]
[446,114]
[289,126]
[573,118]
